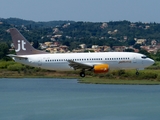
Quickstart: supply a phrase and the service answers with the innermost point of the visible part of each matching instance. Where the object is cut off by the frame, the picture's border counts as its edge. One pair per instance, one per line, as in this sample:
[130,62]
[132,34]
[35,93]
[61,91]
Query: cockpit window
[144,57]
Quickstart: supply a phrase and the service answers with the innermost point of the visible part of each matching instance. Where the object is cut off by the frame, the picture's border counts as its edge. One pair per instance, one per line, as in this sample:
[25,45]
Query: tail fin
[22,46]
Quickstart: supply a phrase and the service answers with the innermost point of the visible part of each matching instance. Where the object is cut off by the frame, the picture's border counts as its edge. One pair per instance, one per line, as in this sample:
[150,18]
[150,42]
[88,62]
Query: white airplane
[100,62]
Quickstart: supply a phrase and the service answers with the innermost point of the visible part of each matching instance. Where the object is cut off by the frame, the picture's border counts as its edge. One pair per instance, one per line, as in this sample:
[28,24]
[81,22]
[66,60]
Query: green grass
[118,81]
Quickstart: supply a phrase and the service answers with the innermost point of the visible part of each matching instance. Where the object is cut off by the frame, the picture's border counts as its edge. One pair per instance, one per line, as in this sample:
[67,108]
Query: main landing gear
[82,74]
[137,72]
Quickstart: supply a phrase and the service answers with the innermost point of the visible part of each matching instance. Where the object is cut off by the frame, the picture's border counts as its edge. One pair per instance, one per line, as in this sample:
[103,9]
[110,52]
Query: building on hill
[83,46]
[63,49]
[48,43]
[119,48]
[42,46]
[153,42]
[94,46]
[140,41]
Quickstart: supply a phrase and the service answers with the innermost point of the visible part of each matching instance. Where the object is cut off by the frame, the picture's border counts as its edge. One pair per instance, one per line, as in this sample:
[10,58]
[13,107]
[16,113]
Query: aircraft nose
[151,61]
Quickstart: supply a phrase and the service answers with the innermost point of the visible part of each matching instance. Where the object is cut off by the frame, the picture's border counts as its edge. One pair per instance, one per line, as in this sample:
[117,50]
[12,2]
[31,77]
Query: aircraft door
[134,59]
[39,62]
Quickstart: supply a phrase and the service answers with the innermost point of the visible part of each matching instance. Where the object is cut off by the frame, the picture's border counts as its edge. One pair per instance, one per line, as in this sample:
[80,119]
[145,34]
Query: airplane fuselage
[115,60]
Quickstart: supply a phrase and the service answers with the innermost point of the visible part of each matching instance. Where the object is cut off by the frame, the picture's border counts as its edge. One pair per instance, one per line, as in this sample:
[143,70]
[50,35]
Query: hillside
[33,24]
[72,33]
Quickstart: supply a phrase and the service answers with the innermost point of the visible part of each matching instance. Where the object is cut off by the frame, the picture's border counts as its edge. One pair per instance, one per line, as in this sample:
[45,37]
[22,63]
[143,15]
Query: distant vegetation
[113,33]
[33,24]
[75,33]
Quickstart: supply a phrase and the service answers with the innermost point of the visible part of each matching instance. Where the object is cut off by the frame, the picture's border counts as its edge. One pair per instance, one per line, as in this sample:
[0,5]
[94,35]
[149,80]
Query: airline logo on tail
[21,45]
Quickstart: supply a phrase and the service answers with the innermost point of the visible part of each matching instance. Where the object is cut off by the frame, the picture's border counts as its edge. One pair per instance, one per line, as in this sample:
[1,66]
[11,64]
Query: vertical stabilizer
[22,46]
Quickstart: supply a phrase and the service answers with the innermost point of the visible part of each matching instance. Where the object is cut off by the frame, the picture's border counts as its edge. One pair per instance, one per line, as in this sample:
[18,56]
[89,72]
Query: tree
[4,50]
[129,50]
[145,53]
[36,44]
[131,42]
[137,46]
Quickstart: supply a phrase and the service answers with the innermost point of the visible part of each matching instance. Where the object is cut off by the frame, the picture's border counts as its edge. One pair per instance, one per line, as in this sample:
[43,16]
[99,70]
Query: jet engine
[101,68]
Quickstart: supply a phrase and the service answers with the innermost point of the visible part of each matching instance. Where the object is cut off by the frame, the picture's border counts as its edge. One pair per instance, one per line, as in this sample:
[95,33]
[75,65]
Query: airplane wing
[17,56]
[77,65]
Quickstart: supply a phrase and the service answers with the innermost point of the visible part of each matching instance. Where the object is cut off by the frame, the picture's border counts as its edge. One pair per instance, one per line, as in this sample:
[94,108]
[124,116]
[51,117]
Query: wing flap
[77,65]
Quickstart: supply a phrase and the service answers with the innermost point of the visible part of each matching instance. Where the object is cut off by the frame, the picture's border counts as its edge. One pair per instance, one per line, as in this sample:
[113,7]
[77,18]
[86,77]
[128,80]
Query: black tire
[82,74]
[137,73]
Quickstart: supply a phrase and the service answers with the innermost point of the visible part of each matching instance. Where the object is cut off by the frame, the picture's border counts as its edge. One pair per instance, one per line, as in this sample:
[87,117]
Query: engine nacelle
[101,68]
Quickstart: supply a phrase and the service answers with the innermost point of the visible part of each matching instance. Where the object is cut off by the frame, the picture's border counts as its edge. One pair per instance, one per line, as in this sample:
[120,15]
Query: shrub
[110,76]
[5,64]
[158,77]
[118,72]
[121,72]
[148,75]
[16,67]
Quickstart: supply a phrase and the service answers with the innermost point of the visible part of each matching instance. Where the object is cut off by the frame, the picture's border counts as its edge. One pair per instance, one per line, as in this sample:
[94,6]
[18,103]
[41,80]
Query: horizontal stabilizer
[17,56]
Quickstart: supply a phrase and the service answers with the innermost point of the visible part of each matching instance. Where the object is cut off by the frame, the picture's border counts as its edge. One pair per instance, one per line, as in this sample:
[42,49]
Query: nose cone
[150,61]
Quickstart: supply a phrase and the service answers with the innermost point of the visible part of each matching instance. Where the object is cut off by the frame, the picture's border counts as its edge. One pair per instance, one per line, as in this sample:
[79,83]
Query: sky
[82,10]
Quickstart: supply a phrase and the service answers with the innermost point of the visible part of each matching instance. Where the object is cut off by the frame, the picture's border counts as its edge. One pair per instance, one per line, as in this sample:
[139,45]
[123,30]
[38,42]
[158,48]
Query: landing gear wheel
[82,74]
[137,73]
